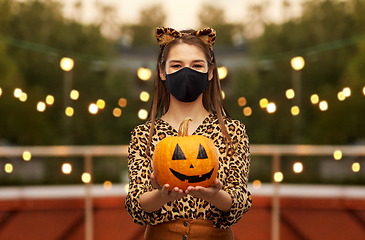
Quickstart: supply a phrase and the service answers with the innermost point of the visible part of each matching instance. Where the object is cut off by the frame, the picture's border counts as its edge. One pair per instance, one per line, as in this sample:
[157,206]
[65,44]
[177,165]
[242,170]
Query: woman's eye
[197,66]
[176,66]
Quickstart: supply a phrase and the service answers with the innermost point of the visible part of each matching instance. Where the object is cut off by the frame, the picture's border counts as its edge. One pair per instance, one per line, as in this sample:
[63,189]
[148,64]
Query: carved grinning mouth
[192,179]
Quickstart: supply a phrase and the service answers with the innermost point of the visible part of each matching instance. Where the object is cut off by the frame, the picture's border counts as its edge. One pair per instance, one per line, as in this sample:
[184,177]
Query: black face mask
[186,85]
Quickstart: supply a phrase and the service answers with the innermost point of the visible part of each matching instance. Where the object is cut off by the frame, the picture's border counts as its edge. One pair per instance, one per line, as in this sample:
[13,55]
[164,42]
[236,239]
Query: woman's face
[184,55]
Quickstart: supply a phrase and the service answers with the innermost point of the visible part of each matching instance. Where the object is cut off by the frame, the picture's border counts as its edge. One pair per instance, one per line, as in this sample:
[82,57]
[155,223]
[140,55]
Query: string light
[295,110]
[347,92]
[323,106]
[263,103]
[222,72]
[93,108]
[117,112]
[142,114]
[363,90]
[69,111]
[1,91]
[247,111]
[8,168]
[67,64]
[144,96]
[242,101]
[256,184]
[290,94]
[74,94]
[107,185]
[50,100]
[341,96]
[23,97]
[27,156]
[86,177]
[100,104]
[314,99]
[271,107]
[122,102]
[278,177]
[355,167]
[17,92]
[298,167]
[297,63]
[41,106]
[66,168]
[337,155]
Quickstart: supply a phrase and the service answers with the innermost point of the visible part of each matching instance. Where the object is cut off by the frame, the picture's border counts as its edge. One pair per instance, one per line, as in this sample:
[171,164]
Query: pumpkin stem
[183,128]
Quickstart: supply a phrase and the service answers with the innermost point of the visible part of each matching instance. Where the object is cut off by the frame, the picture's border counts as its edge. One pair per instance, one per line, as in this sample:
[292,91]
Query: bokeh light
[222,72]
[8,168]
[347,92]
[126,188]
[117,112]
[297,63]
[337,155]
[341,96]
[41,106]
[144,96]
[355,167]
[66,168]
[74,94]
[363,90]
[27,156]
[298,167]
[223,94]
[278,177]
[67,64]
[314,99]
[100,103]
[271,107]
[323,106]
[122,102]
[256,184]
[144,73]
[247,111]
[142,114]
[1,91]
[93,108]
[23,97]
[263,103]
[50,100]
[86,177]
[69,111]
[107,185]
[295,110]
[290,94]
[242,101]
[17,92]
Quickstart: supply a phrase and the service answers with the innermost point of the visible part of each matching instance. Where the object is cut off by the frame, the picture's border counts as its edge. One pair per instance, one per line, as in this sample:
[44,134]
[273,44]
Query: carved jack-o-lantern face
[184,161]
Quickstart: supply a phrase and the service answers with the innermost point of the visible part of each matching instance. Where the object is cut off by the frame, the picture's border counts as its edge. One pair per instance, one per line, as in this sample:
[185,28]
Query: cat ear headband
[165,35]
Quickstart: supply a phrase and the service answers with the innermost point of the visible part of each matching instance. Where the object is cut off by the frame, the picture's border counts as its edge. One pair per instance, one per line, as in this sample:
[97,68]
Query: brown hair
[212,96]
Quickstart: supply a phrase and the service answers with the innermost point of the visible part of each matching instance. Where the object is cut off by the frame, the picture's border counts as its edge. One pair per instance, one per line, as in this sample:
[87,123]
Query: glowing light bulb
[144,96]
[290,94]
[144,73]
[297,63]
[323,106]
[222,72]
[295,110]
[271,108]
[347,92]
[107,185]
[355,167]
[298,167]
[50,100]
[23,97]
[278,177]
[86,177]
[256,184]
[337,155]
[242,101]
[1,91]
[27,156]
[341,96]
[93,108]
[314,99]
[74,94]
[263,103]
[117,112]
[122,102]
[41,106]
[100,103]
[67,64]
[142,114]
[69,111]
[17,92]
[66,168]
[8,168]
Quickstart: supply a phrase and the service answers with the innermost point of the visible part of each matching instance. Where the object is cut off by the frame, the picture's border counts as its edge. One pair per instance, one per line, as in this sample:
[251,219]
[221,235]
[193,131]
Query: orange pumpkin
[184,160]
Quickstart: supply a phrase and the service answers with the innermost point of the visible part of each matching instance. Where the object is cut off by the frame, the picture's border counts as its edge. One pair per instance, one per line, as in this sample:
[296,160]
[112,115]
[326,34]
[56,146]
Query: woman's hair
[212,96]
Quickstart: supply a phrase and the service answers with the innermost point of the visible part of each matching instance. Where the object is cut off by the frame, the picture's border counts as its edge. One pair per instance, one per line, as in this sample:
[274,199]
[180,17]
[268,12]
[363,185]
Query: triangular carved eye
[202,154]
[178,153]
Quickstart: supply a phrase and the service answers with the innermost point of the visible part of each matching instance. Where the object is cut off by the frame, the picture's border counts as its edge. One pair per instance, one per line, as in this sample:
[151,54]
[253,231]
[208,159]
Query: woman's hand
[175,194]
[203,192]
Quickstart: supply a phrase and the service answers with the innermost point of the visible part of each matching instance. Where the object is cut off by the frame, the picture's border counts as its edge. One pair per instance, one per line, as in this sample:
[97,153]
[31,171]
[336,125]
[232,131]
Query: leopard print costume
[233,172]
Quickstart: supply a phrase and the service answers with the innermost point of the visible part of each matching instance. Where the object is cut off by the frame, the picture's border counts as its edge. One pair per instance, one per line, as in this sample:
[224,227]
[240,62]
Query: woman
[187,85]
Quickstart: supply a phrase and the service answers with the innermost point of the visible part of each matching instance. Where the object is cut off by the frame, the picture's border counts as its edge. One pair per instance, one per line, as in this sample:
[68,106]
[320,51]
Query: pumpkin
[183,160]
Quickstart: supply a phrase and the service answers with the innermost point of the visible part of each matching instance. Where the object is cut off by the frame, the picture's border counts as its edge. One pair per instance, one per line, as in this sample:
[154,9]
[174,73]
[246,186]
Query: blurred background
[77,76]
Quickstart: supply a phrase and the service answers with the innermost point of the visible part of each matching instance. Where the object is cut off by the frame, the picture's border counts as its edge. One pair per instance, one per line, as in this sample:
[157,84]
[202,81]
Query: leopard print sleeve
[236,170]
[139,170]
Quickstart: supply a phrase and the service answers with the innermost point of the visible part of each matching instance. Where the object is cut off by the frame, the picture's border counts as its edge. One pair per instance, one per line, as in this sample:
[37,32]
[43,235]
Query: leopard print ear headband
[165,35]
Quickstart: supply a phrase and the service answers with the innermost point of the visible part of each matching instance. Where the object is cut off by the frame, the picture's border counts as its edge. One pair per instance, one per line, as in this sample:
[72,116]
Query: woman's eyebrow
[179,61]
